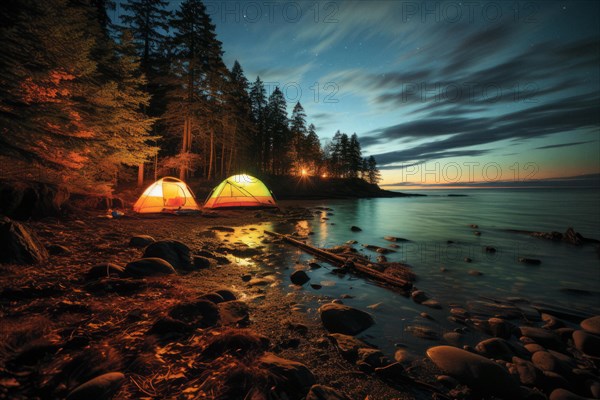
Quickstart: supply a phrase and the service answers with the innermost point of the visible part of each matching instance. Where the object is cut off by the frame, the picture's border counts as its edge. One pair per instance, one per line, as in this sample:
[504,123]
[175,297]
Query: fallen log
[358,266]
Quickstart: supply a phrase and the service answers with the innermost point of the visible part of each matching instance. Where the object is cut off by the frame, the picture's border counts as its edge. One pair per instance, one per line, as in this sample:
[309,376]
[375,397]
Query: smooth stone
[150,266]
[423,332]
[299,278]
[102,387]
[544,337]
[548,362]
[373,357]
[295,379]
[563,394]
[455,339]
[339,318]
[431,303]
[348,345]
[474,272]
[418,296]
[19,245]
[260,282]
[495,348]
[534,347]
[587,343]
[405,356]
[141,241]
[552,381]
[175,252]
[201,262]
[475,371]
[234,312]
[322,392]
[592,324]
[168,326]
[355,229]
[226,294]
[104,270]
[529,374]
[500,328]
[394,371]
[201,313]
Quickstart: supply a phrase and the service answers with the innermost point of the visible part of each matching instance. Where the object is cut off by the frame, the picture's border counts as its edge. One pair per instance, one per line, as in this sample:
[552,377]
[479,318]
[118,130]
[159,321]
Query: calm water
[429,223]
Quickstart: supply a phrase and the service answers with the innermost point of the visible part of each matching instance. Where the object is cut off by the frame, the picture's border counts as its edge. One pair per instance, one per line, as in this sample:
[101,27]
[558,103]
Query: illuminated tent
[240,191]
[166,195]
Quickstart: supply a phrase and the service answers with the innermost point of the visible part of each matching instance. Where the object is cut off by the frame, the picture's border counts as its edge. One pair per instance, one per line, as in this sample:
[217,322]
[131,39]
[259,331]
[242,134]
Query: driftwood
[357,265]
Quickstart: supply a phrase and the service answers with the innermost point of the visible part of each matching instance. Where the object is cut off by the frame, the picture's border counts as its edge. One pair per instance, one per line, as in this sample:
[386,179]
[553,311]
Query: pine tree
[354,157]
[297,148]
[374,176]
[260,141]
[243,127]
[44,68]
[278,132]
[313,152]
[147,20]
[196,102]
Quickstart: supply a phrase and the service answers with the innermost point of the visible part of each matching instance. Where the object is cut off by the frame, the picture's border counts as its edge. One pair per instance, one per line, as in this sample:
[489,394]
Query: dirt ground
[58,328]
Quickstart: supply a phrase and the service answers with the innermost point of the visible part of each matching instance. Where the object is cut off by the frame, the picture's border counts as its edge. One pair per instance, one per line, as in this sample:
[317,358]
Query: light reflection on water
[429,223]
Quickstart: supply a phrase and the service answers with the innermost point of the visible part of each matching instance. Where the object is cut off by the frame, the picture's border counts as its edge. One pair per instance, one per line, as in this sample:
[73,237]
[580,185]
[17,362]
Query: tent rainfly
[166,195]
[240,191]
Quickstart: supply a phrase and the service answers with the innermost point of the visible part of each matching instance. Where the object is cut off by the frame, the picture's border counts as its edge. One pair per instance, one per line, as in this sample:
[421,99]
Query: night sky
[438,92]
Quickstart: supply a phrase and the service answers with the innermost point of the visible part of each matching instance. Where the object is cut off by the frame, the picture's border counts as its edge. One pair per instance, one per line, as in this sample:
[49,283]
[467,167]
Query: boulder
[167,326]
[201,262]
[592,324]
[322,392]
[587,343]
[544,337]
[141,241]
[547,361]
[498,327]
[226,294]
[495,348]
[199,313]
[299,278]
[238,342]
[102,387]
[18,245]
[348,345]
[149,267]
[563,394]
[475,371]
[24,200]
[529,374]
[373,357]
[294,378]
[418,296]
[104,270]
[58,250]
[234,312]
[173,251]
[338,318]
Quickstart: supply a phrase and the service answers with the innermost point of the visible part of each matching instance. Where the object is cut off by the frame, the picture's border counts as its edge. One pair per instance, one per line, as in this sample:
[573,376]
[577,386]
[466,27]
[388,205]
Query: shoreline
[69,316]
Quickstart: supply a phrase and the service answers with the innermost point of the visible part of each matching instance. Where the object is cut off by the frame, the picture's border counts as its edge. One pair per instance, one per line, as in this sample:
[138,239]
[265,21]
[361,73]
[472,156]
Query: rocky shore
[193,307]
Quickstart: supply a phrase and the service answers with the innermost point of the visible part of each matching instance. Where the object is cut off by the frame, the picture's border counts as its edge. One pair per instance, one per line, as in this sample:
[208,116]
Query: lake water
[568,276]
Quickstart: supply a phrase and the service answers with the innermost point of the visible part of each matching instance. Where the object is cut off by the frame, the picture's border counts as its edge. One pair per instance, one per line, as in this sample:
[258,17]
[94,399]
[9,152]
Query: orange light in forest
[324,176]
[304,172]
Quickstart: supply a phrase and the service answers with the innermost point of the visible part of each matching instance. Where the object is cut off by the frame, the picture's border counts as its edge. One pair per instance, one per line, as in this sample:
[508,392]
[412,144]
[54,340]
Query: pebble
[475,371]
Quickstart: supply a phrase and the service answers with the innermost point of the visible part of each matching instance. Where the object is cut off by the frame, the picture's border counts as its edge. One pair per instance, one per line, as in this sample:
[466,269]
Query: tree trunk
[140,178]
[212,151]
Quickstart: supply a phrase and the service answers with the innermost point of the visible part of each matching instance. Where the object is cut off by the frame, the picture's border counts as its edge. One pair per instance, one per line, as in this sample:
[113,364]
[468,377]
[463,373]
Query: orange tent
[166,195]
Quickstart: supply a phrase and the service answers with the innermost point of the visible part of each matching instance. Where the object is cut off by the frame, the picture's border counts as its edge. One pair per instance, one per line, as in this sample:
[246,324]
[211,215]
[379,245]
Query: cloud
[580,181]
[554,146]
[563,115]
